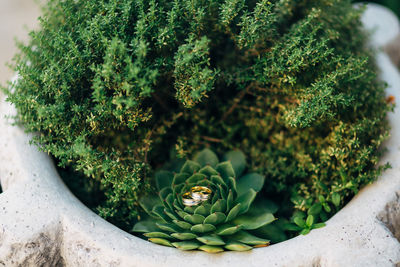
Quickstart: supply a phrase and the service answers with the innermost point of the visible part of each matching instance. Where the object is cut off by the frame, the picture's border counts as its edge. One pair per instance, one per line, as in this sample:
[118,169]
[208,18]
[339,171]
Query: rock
[43,224]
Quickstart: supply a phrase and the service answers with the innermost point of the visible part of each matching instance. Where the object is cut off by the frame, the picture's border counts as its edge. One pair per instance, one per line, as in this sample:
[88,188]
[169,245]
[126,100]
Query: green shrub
[113,86]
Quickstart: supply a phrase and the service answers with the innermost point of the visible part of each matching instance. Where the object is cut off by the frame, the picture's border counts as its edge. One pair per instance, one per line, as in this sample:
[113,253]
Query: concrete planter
[43,224]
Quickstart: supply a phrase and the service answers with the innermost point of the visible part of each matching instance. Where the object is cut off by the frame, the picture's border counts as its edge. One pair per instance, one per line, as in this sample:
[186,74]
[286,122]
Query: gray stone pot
[43,224]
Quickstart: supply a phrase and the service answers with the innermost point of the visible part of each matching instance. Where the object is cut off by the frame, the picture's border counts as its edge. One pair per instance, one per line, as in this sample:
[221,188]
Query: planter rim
[40,216]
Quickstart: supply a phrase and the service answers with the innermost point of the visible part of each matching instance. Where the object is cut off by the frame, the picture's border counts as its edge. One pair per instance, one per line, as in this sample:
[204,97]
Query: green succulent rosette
[227,219]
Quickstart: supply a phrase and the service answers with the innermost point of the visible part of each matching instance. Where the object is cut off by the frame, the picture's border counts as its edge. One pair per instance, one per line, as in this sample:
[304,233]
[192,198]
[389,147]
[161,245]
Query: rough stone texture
[43,224]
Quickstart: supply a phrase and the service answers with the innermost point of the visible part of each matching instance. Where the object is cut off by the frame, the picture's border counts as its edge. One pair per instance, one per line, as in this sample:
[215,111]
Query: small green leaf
[212,240]
[161,241]
[310,220]
[190,167]
[182,224]
[315,209]
[219,206]
[249,239]
[327,208]
[318,225]
[233,212]
[253,181]
[194,219]
[238,161]
[336,199]
[163,179]
[184,236]
[186,245]
[253,221]
[225,169]
[206,157]
[157,235]
[246,199]
[215,218]
[202,228]
[237,246]
[305,231]
[211,249]
[228,229]
[300,222]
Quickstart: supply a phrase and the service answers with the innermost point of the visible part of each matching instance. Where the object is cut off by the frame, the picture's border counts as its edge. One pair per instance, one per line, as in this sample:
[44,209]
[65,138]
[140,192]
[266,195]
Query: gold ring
[188,200]
[200,193]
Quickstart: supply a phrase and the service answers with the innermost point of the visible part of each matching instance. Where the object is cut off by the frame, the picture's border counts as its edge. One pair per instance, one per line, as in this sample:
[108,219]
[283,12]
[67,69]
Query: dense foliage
[207,205]
[112,87]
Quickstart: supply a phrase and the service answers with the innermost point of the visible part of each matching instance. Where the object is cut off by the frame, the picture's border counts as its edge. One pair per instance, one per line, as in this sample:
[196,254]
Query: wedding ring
[200,193]
[188,200]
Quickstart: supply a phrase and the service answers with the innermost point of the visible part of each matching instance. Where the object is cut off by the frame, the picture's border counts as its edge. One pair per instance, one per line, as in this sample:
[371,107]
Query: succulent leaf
[249,222]
[148,202]
[163,179]
[228,229]
[158,235]
[233,212]
[206,206]
[145,226]
[237,246]
[194,219]
[184,236]
[253,181]
[211,249]
[182,224]
[215,218]
[190,167]
[208,171]
[212,240]
[161,241]
[168,227]
[225,169]
[246,200]
[187,245]
[206,157]
[159,212]
[203,228]
[219,206]
[249,239]
[204,209]
[238,161]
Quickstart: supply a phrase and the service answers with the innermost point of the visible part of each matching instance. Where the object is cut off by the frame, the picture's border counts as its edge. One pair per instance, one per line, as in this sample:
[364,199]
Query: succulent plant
[207,205]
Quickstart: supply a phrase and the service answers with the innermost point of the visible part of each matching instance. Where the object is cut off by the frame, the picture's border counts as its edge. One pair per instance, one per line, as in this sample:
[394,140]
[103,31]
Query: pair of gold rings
[196,195]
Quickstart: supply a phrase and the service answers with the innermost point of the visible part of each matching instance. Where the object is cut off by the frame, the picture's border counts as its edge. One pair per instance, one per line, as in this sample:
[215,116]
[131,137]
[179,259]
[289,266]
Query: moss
[112,86]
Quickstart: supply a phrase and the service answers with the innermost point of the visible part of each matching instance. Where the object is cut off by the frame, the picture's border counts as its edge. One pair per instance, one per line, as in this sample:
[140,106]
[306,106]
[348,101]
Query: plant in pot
[283,95]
